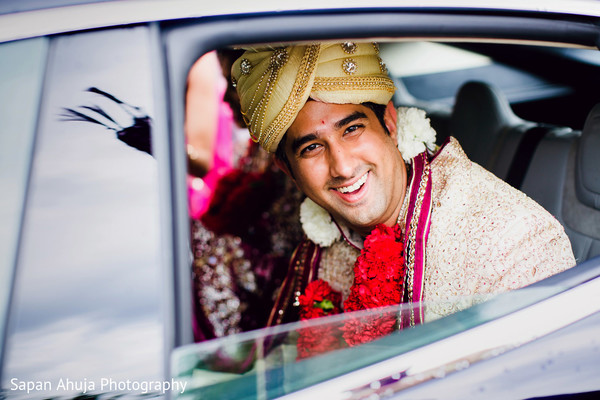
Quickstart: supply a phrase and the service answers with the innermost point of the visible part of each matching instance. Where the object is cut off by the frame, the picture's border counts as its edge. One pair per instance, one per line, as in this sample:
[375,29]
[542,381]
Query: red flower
[378,281]
[358,331]
[317,340]
[318,300]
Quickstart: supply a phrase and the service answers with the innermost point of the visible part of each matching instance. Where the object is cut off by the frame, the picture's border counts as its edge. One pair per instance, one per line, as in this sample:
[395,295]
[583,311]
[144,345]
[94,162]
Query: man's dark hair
[378,110]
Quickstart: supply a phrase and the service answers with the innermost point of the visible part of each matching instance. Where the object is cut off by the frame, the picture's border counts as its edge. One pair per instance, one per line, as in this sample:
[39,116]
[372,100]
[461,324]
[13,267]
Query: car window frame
[160,144]
[186,40]
[481,332]
[35,67]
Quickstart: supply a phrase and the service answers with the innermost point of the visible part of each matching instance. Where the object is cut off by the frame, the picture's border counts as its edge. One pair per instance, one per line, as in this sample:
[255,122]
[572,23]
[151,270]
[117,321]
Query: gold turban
[275,83]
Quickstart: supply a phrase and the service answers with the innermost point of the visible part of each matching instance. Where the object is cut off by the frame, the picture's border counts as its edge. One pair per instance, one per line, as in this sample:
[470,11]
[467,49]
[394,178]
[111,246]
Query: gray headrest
[480,113]
[587,175]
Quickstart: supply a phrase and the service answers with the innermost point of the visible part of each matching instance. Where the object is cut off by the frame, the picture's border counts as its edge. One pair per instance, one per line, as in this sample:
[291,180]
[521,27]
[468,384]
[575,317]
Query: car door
[82,214]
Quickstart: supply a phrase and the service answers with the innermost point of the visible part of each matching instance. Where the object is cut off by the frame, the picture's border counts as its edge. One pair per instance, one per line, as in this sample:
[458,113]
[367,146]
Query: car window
[22,69]
[273,362]
[243,364]
[87,293]
[435,71]
[431,74]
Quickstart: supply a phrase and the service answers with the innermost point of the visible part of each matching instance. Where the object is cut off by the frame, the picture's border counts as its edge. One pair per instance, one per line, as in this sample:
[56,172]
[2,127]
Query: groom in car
[390,217]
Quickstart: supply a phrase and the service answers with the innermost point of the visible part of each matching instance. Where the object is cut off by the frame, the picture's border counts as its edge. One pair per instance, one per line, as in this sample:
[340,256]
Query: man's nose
[341,162]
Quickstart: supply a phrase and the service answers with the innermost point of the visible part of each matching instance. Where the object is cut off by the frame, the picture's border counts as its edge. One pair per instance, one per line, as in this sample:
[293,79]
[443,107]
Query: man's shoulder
[450,161]
[501,225]
[453,170]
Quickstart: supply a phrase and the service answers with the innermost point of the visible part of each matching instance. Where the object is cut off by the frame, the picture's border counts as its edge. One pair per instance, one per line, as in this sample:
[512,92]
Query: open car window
[522,101]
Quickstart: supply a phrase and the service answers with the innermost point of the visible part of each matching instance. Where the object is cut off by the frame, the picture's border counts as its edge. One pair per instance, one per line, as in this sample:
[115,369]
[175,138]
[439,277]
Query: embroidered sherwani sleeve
[537,248]
[486,237]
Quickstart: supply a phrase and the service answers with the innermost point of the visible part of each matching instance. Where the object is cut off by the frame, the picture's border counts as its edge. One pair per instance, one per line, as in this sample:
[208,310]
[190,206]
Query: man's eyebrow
[350,118]
[297,143]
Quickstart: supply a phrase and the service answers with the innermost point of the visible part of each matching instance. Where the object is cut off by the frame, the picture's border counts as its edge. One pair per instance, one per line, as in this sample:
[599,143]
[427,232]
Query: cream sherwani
[485,238]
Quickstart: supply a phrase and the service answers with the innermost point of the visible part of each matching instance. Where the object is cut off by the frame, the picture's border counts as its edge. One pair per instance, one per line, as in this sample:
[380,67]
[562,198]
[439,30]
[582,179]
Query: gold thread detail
[410,261]
[290,109]
[350,83]
[267,82]
[376,47]
[382,66]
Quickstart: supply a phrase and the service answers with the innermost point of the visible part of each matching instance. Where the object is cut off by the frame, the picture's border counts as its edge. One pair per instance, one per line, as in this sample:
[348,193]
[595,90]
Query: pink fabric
[422,232]
[199,198]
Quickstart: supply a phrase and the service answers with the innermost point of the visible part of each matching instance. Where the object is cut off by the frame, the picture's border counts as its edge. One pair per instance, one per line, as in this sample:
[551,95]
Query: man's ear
[390,117]
[283,166]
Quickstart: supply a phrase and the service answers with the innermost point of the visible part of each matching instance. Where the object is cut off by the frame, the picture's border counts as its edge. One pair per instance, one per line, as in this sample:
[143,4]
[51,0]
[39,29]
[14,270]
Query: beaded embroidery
[349,66]
[279,58]
[376,47]
[348,47]
[256,122]
[351,83]
[382,66]
[245,66]
[412,241]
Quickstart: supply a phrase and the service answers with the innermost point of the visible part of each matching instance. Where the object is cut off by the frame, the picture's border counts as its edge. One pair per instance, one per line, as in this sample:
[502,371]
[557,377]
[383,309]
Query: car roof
[15,6]
[31,18]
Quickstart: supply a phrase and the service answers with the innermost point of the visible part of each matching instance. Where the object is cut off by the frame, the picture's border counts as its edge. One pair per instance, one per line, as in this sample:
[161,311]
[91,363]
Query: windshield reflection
[272,362]
[278,360]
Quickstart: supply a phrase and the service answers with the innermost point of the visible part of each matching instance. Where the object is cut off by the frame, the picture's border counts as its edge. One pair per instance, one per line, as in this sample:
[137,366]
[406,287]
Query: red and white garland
[378,282]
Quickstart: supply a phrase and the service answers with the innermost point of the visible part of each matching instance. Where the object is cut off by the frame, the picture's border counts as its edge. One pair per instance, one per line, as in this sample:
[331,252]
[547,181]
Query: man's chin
[360,225]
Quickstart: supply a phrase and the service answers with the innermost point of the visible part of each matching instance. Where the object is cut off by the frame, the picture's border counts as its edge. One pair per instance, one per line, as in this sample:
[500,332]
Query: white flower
[415,133]
[317,224]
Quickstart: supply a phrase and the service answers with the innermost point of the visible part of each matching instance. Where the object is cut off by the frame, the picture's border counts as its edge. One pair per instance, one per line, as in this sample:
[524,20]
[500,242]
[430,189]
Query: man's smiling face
[342,158]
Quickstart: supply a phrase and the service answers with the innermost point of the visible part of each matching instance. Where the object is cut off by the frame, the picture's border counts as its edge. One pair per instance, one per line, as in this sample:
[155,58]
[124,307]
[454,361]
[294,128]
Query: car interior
[539,151]
[545,158]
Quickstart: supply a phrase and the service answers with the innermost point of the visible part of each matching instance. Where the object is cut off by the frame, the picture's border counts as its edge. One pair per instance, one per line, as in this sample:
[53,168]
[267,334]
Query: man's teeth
[355,186]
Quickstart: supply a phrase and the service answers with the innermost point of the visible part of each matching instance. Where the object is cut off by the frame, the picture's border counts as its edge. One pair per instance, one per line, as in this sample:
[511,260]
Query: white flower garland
[415,135]
[318,224]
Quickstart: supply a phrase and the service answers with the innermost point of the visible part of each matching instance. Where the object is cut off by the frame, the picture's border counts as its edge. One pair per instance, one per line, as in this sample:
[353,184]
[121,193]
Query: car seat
[564,177]
[486,127]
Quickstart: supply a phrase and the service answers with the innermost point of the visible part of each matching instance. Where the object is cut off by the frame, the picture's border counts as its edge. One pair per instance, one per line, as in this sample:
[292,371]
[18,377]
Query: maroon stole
[302,270]
[418,222]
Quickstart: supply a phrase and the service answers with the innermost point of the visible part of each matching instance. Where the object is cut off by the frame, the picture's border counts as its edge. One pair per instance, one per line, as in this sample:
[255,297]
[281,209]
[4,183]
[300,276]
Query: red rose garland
[318,300]
[378,282]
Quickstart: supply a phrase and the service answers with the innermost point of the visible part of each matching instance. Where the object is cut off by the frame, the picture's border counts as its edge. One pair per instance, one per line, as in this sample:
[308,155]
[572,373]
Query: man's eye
[353,128]
[309,148]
